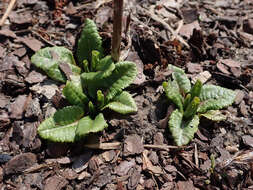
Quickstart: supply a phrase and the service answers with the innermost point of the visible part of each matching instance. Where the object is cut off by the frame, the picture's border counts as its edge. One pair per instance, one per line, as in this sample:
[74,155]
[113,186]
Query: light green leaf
[62,126]
[122,103]
[181,79]
[89,41]
[173,94]
[122,76]
[49,59]
[86,125]
[192,107]
[214,115]
[215,97]
[74,93]
[182,131]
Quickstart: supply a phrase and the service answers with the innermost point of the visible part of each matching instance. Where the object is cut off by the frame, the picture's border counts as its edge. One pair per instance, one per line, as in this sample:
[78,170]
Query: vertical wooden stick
[117,29]
[7,12]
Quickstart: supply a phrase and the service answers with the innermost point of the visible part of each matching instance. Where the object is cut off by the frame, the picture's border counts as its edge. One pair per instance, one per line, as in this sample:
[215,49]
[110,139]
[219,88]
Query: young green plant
[97,86]
[193,102]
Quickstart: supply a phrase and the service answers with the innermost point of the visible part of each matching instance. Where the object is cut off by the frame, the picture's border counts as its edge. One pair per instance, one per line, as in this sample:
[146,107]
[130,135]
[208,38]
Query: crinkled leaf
[181,79]
[214,115]
[62,125]
[49,59]
[122,76]
[173,94]
[74,93]
[89,41]
[86,125]
[215,97]
[122,103]
[95,81]
[182,131]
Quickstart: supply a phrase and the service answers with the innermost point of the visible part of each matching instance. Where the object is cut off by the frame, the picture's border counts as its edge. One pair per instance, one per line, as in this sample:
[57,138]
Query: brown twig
[7,12]
[117,29]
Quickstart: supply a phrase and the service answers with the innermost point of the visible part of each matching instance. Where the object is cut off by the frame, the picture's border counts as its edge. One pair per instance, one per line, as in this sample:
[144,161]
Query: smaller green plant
[193,102]
[96,86]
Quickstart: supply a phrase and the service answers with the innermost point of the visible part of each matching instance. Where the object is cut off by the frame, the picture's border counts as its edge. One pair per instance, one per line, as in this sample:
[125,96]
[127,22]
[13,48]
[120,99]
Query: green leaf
[95,57]
[173,94]
[100,99]
[74,93]
[62,126]
[95,81]
[87,125]
[68,115]
[214,115]
[122,76]
[122,103]
[196,89]
[215,97]
[182,131]
[49,59]
[89,41]
[181,79]
[191,109]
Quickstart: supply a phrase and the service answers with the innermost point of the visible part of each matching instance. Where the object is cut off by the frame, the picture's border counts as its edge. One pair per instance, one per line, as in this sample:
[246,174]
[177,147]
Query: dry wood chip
[24,18]
[19,163]
[32,43]
[182,185]
[109,155]
[230,63]
[8,33]
[194,68]
[18,106]
[223,68]
[147,165]
[203,77]
[124,167]
[55,182]
[35,77]
[187,29]
[133,145]
[20,52]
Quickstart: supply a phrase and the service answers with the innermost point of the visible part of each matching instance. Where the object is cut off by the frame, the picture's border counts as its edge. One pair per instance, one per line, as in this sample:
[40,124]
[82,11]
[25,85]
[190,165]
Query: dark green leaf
[89,41]
[49,59]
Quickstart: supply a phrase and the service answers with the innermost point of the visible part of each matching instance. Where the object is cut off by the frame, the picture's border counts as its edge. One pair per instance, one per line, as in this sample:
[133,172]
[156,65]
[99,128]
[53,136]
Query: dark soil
[211,40]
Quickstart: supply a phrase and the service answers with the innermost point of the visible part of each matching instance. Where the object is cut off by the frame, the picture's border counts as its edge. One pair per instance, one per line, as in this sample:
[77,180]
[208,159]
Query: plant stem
[117,29]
